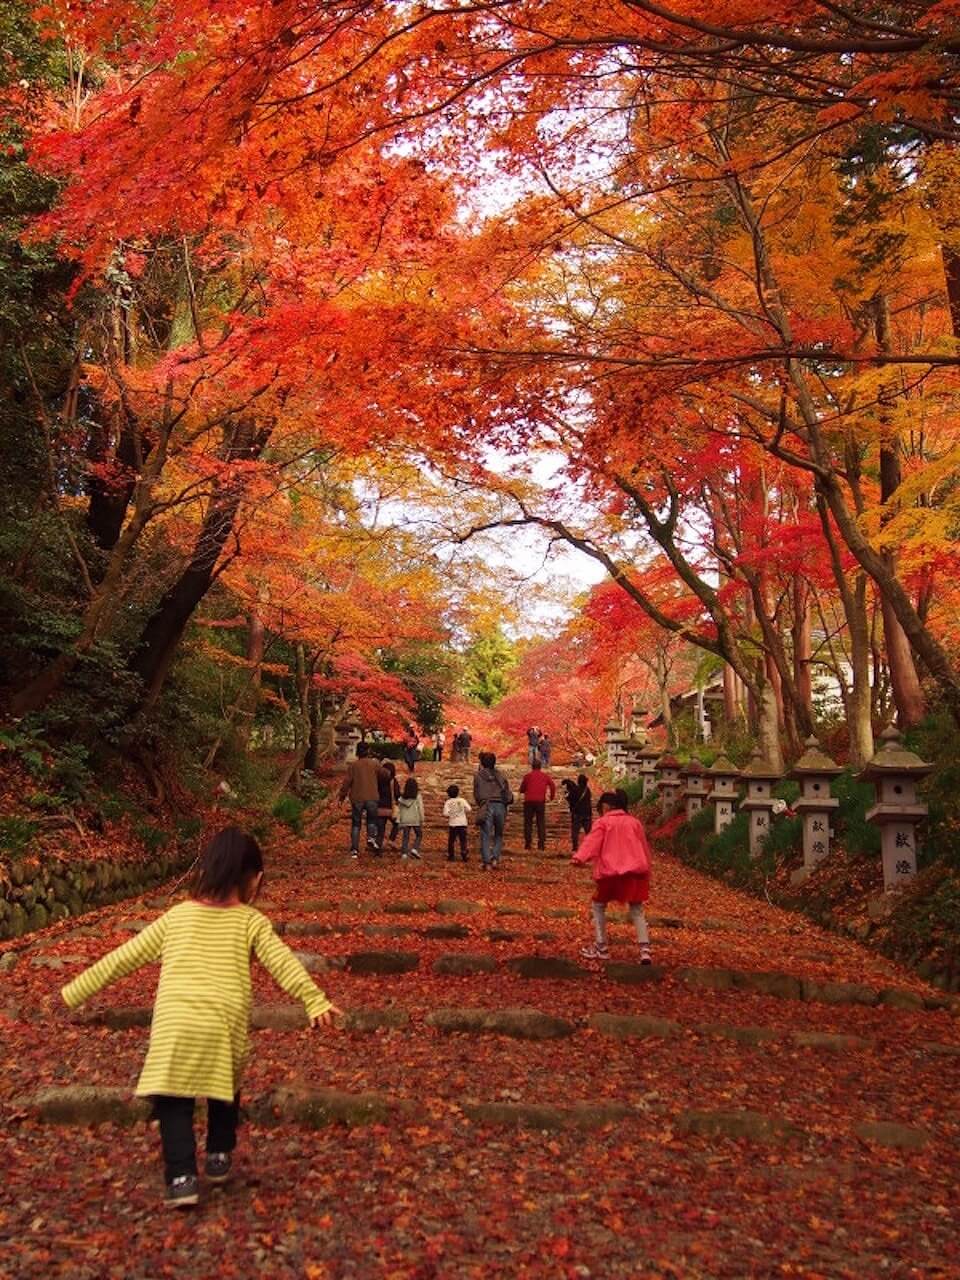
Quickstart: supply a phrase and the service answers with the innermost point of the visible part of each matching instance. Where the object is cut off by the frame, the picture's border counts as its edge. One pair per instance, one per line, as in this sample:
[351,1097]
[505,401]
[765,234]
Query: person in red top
[620,852]
[536,788]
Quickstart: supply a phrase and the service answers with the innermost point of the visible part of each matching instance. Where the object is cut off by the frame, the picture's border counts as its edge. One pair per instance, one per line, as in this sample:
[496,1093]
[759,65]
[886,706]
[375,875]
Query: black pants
[176,1131]
[534,809]
[453,835]
[438,753]
[382,821]
[578,823]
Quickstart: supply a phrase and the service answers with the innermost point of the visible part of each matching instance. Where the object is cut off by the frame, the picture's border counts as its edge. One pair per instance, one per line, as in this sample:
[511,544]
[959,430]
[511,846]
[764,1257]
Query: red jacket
[537,786]
[617,845]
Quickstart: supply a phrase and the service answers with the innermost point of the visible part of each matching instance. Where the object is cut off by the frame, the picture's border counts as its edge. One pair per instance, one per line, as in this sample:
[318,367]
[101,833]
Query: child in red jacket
[620,852]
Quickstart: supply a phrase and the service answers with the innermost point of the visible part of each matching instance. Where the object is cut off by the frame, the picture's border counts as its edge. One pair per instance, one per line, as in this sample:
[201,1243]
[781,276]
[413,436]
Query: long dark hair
[411,789]
[230,861]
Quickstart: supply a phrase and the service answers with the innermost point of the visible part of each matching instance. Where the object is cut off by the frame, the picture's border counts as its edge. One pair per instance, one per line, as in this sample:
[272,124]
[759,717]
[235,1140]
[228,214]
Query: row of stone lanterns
[894,771]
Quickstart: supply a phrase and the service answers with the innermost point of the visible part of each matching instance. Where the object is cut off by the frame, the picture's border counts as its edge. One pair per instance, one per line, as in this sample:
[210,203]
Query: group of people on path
[539,746]
[205,946]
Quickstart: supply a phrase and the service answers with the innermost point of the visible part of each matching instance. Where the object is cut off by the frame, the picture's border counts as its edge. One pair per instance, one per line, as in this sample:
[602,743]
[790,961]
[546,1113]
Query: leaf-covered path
[768,1099]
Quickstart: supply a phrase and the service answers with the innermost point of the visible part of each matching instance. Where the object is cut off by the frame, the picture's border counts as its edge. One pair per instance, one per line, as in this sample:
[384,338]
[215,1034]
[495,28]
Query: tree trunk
[731,703]
[164,629]
[904,681]
[951,271]
[802,645]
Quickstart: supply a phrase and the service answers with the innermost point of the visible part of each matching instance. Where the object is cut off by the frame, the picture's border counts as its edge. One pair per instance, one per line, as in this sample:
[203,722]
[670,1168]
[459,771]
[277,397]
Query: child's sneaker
[645,957]
[218,1166]
[595,952]
[415,853]
[182,1192]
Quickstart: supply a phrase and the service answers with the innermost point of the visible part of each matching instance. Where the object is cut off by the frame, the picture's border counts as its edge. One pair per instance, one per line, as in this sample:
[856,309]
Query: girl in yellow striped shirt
[198,1038]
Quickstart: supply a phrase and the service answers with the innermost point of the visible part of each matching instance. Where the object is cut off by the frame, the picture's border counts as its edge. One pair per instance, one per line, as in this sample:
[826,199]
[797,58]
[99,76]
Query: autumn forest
[373,369]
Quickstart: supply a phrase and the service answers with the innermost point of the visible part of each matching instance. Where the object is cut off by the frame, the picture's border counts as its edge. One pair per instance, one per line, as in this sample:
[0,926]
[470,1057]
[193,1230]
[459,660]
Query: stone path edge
[87,1105]
[528,1024]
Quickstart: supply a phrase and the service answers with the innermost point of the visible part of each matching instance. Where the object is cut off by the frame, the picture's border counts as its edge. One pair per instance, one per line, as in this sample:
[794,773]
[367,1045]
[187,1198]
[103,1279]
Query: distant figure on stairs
[536,788]
[439,742]
[533,737]
[411,748]
[461,745]
[361,785]
[581,808]
[544,748]
[455,810]
[492,794]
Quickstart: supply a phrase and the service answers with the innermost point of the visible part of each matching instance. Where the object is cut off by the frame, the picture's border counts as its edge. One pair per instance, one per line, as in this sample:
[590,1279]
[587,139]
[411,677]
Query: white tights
[636,915]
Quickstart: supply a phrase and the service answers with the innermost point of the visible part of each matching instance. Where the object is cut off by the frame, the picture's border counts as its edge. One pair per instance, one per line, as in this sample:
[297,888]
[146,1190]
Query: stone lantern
[759,802]
[347,736]
[613,733]
[694,788]
[895,772]
[620,756]
[648,757]
[723,796]
[668,784]
[637,717]
[813,771]
[632,748]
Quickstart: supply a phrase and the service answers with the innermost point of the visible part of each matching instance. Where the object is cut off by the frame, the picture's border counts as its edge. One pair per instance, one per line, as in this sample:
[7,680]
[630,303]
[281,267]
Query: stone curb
[782,986]
[88,1105]
[527,1024]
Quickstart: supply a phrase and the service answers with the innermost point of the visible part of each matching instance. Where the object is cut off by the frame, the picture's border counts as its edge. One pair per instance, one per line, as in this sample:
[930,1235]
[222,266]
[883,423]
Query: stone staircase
[762,1077]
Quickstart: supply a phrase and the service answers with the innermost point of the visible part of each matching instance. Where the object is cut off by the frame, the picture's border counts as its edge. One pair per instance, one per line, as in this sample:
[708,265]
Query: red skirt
[630,887]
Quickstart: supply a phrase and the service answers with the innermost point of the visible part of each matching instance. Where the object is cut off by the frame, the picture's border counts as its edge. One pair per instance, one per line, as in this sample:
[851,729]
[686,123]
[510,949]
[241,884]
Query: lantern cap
[760,770]
[814,760]
[894,757]
[668,761]
[722,767]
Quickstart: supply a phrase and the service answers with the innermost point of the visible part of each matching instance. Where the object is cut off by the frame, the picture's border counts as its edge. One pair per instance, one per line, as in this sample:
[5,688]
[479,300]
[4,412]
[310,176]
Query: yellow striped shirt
[201,1015]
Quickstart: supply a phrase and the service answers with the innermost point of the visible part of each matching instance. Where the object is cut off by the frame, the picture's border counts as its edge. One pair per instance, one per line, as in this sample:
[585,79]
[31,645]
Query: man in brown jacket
[360,784]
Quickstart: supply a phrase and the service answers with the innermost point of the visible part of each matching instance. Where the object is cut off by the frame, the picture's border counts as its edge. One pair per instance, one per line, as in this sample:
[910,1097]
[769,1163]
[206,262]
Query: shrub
[857,835]
[15,834]
[290,809]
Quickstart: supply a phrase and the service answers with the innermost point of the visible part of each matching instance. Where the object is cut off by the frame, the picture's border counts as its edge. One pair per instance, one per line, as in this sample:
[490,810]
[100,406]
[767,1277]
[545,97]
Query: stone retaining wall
[37,892]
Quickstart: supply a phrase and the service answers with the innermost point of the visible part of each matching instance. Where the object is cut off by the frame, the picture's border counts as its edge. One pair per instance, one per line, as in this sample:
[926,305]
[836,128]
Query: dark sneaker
[218,1166]
[415,853]
[354,853]
[645,956]
[182,1192]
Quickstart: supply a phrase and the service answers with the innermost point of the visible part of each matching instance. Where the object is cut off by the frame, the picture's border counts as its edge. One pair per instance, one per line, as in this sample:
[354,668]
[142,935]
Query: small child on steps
[620,852]
[198,1038]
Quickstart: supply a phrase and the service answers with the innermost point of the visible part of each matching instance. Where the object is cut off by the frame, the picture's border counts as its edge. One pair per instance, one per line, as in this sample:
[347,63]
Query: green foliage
[785,840]
[15,834]
[153,837]
[431,673]
[726,855]
[850,823]
[489,662]
[926,918]
[290,809]
[937,739]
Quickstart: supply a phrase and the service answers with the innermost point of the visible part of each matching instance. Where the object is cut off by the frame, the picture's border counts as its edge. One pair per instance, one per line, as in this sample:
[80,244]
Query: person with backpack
[492,795]
[580,803]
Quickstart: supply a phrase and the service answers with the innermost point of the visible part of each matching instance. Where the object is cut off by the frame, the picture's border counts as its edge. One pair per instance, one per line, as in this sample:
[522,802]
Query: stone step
[319,1107]
[533,1024]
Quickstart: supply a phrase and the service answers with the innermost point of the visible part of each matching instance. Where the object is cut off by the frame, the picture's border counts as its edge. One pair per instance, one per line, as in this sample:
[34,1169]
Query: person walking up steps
[455,810]
[533,737]
[620,852]
[361,785]
[492,794]
[198,1037]
[581,808]
[439,742]
[536,787]
[410,816]
[388,794]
